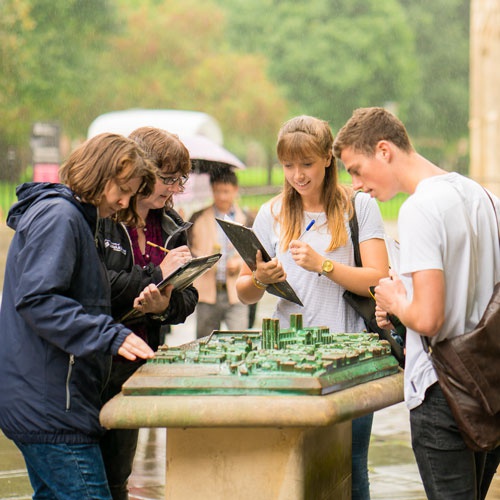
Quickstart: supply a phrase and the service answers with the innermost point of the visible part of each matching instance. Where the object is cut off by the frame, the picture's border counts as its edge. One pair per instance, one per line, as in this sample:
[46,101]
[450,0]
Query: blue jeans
[449,470]
[361,431]
[65,471]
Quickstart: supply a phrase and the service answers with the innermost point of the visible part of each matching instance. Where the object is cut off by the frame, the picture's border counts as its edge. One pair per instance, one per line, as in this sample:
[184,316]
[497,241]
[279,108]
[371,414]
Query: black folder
[182,277]
[246,243]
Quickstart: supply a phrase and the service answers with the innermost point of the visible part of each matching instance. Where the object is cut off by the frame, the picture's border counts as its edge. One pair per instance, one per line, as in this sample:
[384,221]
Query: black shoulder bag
[365,306]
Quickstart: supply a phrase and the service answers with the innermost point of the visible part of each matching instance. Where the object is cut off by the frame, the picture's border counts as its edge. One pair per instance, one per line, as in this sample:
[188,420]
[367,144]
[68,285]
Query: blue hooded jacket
[56,335]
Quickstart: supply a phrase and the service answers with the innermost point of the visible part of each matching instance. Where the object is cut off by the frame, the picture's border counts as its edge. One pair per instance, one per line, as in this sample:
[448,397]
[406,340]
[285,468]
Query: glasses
[169,180]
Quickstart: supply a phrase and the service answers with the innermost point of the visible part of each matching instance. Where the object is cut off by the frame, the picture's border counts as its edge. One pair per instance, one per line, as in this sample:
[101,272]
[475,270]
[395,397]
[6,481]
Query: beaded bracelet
[257,283]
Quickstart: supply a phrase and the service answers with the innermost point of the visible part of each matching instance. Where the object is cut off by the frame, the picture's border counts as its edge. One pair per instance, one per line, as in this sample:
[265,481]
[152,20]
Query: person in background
[319,264]
[134,268]
[218,299]
[446,227]
[57,334]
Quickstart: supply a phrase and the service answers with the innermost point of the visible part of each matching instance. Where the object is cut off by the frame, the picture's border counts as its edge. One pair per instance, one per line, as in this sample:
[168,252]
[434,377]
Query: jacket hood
[30,193]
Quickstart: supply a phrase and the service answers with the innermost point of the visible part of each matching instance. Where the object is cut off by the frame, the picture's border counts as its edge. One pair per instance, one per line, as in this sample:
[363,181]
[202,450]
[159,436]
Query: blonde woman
[320,265]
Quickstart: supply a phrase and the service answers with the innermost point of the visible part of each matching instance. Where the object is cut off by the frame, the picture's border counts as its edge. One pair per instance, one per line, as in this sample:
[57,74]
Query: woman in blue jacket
[57,335]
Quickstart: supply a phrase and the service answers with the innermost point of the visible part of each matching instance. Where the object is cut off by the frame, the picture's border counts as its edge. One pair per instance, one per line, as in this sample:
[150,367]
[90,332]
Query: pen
[309,226]
[157,246]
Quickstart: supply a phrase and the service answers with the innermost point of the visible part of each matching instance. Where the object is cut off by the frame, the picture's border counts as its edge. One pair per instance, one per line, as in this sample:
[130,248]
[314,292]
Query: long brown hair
[304,136]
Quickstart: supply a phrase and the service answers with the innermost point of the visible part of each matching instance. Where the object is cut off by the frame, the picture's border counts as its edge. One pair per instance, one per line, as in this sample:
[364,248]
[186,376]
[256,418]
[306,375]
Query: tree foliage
[185,62]
[438,111]
[250,64]
[330,56]
[48,50]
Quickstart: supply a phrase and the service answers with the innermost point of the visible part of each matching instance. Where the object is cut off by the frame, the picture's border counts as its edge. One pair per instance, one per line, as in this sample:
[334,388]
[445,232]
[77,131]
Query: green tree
[330,56]
[437,114]
[48,51]
[185,62]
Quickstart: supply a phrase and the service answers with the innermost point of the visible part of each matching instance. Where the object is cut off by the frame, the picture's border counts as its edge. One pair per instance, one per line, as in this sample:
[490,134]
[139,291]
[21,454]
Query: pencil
[157,246]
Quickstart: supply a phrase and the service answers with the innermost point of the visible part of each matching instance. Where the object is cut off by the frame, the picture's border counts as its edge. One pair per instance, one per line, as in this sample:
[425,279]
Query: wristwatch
[326,267]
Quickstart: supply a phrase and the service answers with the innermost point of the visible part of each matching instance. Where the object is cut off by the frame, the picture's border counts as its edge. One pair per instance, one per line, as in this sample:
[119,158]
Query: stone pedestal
[258,447]
[259,463]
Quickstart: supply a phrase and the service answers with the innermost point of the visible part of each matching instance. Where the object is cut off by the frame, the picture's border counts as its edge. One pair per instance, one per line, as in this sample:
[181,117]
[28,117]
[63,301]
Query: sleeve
[370,222]
[127,285]
[182,304]
[419,230]
[47,266]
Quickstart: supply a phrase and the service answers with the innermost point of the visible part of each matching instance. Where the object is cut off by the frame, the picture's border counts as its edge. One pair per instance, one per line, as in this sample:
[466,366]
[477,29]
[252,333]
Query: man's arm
[425,312]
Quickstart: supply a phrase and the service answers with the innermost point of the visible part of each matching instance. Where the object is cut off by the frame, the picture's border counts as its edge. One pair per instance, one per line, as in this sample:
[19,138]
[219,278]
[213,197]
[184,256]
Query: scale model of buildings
[296,360]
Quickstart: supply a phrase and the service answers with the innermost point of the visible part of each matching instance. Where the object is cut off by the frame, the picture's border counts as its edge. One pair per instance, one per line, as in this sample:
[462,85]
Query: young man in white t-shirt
[449,264]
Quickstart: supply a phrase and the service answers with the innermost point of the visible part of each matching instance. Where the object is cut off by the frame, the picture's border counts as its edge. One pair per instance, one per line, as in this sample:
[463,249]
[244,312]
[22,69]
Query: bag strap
[425,340]
[494,211]
[354,227]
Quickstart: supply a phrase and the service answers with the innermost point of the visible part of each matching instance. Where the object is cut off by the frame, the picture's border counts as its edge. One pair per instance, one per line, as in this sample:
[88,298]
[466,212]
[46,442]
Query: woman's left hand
[152,300]
[305,256]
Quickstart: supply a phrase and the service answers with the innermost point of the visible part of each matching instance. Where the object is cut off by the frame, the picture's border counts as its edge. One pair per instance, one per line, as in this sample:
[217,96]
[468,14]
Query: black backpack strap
[354,227]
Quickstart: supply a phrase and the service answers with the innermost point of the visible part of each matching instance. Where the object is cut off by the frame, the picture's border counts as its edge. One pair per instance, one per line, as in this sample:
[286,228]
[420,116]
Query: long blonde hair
[300,137]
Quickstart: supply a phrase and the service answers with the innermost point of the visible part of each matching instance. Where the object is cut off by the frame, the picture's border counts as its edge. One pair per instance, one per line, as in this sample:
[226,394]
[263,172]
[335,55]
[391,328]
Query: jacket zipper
[68,379]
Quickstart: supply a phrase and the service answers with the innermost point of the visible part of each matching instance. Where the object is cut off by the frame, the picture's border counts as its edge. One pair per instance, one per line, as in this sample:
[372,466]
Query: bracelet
[257,283]
[159,317]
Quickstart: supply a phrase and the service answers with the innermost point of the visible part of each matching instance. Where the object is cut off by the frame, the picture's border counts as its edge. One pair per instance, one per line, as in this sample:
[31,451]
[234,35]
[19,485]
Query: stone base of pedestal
[259,463]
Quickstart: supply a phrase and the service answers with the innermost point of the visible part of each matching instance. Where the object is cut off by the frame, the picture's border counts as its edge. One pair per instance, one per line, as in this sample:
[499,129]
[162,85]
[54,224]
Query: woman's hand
[152,300]
[134,347]
[269,272]
[174,259]
[305,257]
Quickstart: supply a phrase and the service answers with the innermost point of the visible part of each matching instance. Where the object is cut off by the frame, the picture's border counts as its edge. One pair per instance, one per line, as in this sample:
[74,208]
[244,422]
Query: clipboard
[181,278]
[246,243]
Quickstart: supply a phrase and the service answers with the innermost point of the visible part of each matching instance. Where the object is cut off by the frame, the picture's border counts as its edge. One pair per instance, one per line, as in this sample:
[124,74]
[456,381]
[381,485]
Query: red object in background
[46,172]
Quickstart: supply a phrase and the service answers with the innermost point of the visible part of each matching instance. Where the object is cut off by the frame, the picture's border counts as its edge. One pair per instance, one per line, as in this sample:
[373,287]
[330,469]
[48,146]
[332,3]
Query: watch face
[327,266]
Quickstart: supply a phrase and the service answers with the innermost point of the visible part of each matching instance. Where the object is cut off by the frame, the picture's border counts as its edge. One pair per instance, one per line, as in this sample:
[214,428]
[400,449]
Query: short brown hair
[103,158]
[368,126]
[165,150]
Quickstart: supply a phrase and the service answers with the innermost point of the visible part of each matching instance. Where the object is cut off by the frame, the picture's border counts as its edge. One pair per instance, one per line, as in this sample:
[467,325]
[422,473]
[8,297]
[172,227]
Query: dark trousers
[449,470]
[490,468]
[361,432]
[118,446]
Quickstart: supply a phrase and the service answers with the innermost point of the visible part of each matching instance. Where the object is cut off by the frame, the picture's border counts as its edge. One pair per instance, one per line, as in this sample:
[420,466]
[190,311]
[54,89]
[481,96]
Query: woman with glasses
[135,263]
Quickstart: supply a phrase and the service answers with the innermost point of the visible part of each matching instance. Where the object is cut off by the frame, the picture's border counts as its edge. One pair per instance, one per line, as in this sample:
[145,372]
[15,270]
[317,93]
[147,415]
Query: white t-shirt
[447,224]
[322,298]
